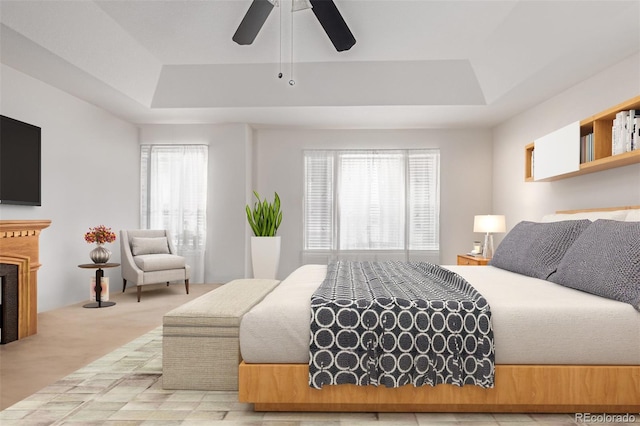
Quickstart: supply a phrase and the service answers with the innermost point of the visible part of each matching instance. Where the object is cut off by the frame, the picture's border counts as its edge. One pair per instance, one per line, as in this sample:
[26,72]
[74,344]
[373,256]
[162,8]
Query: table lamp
[488,224]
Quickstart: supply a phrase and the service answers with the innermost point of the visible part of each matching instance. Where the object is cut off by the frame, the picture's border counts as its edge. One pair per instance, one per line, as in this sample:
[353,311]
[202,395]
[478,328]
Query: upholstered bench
[200,343]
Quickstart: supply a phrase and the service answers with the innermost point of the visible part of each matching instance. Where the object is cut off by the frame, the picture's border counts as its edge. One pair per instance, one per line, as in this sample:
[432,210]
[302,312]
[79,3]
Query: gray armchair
[149,257]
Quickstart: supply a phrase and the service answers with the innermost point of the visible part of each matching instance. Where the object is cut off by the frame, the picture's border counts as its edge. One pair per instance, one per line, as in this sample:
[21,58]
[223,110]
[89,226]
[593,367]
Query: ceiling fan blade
[253,21]
[334,25]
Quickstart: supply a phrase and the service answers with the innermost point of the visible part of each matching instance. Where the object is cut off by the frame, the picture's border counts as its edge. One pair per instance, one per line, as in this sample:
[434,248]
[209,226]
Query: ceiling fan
[325,10]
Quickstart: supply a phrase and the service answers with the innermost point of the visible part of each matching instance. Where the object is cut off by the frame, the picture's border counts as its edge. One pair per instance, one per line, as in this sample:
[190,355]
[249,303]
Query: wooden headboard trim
[603,209]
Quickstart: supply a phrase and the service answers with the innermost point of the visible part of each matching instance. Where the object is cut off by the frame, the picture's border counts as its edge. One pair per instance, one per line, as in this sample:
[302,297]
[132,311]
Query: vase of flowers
[100,235]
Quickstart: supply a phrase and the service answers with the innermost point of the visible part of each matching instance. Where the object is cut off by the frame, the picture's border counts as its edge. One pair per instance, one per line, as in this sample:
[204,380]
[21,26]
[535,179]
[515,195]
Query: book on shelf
[104,294]
[586,148]
[625,132]
[635,133]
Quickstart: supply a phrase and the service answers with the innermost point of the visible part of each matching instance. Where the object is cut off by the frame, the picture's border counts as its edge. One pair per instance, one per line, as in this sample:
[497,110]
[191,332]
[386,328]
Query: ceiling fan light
[297,5]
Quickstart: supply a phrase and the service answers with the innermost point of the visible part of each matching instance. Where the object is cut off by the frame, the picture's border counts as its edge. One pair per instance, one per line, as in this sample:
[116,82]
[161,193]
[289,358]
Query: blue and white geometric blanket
[395,323]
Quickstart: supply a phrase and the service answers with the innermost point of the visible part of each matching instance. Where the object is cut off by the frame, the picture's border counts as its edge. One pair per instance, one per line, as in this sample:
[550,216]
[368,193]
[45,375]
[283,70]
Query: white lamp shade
[489,223]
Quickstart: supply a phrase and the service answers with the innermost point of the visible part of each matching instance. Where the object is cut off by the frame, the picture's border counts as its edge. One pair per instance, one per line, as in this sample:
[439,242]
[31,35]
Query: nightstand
[466,259]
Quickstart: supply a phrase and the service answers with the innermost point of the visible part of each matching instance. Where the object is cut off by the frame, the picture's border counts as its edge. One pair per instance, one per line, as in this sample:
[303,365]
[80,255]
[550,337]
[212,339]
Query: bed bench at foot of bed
[518,388]
[200,347]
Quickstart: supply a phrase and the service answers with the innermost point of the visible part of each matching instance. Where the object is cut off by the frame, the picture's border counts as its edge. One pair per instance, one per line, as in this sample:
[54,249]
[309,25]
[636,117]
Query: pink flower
[100,234]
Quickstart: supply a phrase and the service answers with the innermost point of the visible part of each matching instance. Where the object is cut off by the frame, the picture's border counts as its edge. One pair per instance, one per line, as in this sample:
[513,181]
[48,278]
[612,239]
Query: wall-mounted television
[20,161]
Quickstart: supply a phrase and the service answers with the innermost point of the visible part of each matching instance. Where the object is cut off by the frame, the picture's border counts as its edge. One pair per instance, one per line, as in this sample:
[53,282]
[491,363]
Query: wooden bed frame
[518,388]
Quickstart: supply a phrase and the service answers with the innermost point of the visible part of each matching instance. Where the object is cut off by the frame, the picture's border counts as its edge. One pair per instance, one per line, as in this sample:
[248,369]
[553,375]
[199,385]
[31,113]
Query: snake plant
[265,218]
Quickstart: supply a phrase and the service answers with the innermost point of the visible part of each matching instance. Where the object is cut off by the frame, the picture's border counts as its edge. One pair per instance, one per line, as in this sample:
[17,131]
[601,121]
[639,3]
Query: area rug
[125,388]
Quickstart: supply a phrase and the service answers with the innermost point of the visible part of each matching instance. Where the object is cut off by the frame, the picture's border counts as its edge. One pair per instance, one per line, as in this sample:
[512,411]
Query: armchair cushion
[159,262]
[155,245]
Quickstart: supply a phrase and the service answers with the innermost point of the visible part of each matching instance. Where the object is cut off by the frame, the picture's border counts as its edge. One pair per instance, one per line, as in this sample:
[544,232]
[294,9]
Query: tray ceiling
[415,63]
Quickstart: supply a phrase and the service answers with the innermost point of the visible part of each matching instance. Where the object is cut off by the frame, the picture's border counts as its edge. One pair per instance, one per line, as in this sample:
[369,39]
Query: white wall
[90,173]
[91,169]
[529,201]
[465,178]
[228,180]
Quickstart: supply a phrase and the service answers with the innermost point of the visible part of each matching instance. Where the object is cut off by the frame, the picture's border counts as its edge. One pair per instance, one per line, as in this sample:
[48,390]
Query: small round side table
[99,274]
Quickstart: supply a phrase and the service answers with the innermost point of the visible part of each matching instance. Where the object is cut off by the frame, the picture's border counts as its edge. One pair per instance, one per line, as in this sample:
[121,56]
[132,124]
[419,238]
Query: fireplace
[20,256]
[8,303]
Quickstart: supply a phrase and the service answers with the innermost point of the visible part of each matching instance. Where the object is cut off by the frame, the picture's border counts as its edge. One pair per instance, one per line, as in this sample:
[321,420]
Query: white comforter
[534,321]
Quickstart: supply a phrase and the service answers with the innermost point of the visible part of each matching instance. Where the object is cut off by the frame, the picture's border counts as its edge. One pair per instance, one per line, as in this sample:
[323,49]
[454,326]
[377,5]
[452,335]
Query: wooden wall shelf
[600,125]
[528,162]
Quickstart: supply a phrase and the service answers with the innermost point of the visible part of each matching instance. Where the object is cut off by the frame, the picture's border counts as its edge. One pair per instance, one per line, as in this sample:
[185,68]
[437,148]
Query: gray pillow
[154,245]
[604,260]
[535,249]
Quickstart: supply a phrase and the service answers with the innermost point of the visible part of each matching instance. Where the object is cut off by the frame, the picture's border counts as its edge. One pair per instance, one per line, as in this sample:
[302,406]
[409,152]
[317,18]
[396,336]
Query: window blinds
[424,200]
[318,207]
[371,200]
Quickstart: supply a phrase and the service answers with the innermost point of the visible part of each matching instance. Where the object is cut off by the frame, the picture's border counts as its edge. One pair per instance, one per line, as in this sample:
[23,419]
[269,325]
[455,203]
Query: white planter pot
[265,256]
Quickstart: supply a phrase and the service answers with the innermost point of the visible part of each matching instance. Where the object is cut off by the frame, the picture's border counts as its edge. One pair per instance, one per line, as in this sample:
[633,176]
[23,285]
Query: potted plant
[264,219]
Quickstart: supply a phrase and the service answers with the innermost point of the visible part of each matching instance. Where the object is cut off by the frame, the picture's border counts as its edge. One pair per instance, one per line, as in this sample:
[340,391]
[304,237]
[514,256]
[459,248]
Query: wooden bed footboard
[518,388]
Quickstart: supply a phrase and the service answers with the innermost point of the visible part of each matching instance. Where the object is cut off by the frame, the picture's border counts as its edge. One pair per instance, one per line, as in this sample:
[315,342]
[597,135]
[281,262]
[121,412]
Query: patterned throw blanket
[395,323]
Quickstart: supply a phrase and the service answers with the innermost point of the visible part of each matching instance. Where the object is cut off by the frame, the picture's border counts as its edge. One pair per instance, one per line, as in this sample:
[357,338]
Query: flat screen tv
[20,161]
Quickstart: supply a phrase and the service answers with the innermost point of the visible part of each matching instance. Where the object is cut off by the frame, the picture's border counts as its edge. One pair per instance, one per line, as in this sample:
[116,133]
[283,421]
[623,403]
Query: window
[173,192]
[372,204]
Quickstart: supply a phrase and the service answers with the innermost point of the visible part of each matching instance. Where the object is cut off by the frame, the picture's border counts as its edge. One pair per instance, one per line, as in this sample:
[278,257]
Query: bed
[580,353]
